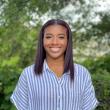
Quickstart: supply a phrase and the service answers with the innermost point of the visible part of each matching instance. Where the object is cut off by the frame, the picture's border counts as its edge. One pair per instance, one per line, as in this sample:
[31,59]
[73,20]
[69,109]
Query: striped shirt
[48,92]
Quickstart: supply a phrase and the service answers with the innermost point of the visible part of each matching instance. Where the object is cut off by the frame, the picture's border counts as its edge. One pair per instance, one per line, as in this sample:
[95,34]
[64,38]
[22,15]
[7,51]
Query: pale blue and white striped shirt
[48,92]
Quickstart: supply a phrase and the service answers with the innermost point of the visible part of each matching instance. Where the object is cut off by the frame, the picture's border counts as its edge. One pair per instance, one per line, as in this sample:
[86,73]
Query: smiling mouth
[55,49]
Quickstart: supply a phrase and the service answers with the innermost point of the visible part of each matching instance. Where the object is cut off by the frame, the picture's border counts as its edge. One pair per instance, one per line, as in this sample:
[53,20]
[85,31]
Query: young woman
[54,82]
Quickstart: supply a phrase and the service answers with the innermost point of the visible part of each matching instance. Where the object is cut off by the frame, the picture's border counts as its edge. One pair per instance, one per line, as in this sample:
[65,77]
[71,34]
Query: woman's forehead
[55,27]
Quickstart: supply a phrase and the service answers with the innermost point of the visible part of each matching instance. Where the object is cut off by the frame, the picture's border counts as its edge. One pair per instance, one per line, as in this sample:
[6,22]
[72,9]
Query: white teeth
[54,49]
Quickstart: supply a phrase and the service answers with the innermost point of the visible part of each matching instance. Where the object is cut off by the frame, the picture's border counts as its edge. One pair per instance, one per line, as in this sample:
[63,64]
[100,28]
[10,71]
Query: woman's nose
[54,41]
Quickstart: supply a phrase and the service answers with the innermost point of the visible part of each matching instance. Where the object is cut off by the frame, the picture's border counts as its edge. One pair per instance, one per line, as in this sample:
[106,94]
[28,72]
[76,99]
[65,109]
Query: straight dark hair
[41,54]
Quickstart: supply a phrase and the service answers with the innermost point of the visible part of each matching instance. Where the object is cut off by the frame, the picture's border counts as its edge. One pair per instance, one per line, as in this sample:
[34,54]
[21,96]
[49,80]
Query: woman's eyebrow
[52,34]
[48,34]
[62,34]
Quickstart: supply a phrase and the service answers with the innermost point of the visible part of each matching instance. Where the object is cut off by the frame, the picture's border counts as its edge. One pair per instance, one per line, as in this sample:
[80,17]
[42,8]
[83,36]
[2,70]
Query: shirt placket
[60,90]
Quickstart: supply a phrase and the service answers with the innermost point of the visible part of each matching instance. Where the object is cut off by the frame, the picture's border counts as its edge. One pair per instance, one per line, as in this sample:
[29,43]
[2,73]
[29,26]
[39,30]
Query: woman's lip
[55,49]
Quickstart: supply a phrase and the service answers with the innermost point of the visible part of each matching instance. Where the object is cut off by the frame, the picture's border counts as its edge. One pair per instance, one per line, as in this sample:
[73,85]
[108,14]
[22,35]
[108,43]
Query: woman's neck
[56,65]
[55,62]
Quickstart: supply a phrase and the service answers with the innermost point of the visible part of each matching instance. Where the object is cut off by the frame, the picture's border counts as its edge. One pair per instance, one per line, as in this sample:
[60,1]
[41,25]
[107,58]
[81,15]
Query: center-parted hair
[41,53]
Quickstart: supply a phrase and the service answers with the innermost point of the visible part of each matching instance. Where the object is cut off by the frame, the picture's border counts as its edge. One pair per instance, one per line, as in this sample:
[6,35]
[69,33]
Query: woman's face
[55,41]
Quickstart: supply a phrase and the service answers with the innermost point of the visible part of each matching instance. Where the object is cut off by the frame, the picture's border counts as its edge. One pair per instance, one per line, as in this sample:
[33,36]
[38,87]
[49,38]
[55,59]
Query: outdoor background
[20,22]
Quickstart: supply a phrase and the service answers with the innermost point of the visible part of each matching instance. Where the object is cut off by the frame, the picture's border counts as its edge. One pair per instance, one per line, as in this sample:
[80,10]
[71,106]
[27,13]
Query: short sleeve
[20,95]
[89,101]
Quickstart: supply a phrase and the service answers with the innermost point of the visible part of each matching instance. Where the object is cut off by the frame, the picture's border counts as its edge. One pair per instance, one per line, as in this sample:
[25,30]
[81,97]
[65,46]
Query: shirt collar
[45,65]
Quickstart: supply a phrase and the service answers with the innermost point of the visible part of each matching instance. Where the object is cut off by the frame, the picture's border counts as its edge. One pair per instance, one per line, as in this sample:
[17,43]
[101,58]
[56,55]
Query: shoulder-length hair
[41,54]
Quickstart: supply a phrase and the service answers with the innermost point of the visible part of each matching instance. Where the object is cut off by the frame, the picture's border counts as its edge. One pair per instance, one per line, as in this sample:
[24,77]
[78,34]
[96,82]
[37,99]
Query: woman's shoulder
[79,66]
[29,67]
[81,70]
[28,70]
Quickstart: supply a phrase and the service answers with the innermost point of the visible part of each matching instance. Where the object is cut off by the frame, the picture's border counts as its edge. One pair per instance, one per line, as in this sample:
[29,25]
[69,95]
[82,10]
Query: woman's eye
[48,37]
[62,37]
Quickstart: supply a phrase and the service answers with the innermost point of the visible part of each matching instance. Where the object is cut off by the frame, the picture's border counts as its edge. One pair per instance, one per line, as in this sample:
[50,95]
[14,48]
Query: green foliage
[102,88]
[99,64]
[8,79]
[103,27]
[21,10]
